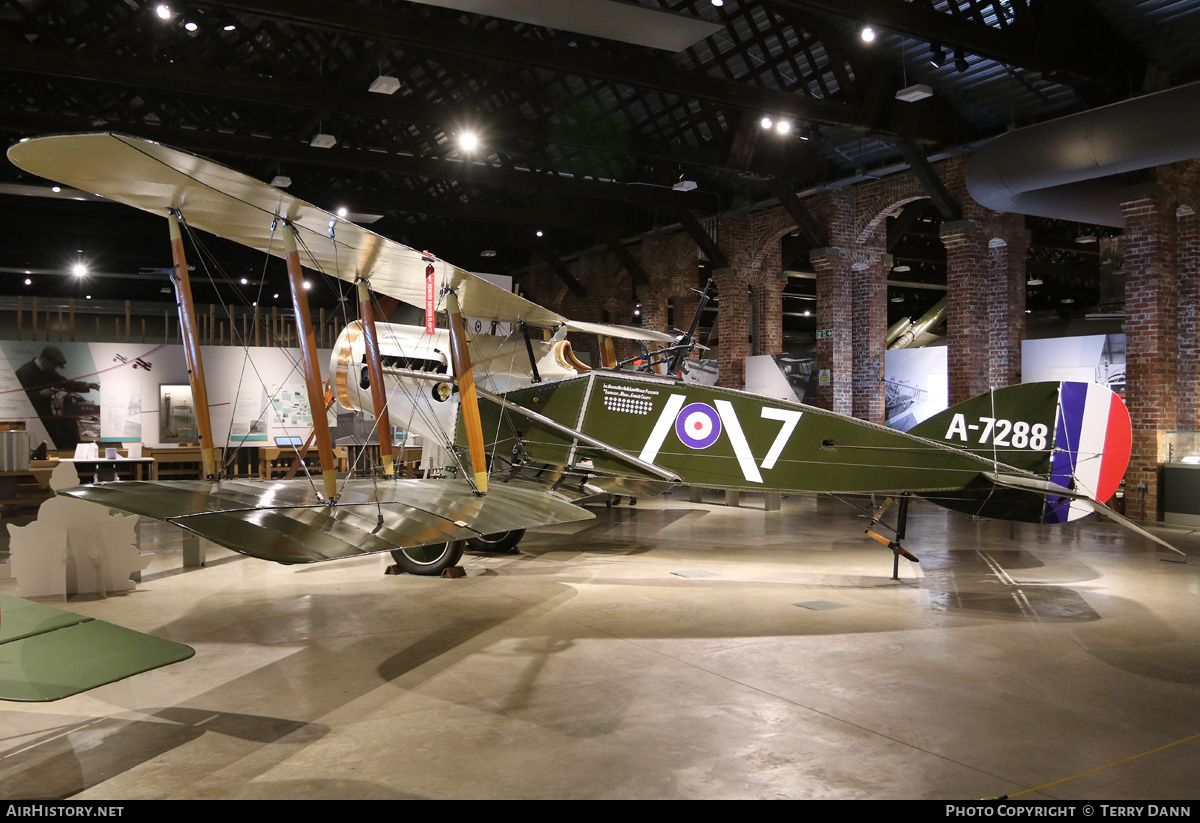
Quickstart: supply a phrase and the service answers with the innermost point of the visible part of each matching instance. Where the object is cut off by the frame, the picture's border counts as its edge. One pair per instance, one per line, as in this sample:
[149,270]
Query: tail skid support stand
[894,545]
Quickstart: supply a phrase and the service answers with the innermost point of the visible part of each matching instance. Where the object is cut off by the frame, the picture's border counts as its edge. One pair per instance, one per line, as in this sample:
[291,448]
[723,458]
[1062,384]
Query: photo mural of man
[55,398]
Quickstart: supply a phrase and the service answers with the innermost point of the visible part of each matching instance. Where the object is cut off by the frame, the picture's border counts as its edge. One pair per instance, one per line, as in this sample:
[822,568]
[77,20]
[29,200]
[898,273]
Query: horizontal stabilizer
[287,522]
[1046,487]
[48,654]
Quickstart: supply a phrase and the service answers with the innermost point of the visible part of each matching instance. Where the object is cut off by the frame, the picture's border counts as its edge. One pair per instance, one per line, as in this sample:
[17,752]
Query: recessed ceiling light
[56,189]
[228,27]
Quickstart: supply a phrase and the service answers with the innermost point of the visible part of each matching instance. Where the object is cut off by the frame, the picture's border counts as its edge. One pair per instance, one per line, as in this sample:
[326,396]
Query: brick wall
[1150,337]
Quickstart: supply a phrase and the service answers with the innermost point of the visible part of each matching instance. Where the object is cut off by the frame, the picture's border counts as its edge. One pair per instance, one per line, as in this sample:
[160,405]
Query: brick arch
[881,213]
[770,227]
[881,198]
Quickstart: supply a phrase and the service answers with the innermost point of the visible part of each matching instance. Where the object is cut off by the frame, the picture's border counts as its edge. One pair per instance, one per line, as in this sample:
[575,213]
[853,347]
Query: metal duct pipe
[1067,168]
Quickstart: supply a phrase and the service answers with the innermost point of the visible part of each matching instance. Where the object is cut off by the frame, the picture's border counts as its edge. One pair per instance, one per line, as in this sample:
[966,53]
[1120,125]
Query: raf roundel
[698,425]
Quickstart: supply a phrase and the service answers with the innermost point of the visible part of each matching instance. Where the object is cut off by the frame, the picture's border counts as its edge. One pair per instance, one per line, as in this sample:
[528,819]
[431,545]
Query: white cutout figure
[74,547]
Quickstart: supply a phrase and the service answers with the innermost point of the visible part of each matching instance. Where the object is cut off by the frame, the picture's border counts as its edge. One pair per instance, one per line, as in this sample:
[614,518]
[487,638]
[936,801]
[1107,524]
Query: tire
[430,560]
[498,543]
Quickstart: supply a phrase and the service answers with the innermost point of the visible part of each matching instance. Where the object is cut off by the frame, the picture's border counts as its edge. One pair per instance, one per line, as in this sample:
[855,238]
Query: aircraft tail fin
[1075,435]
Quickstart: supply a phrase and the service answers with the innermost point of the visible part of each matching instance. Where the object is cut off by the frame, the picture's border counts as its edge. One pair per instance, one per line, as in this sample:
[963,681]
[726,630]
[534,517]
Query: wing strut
[191,345]
[312,371]
[468,400]
[383,426]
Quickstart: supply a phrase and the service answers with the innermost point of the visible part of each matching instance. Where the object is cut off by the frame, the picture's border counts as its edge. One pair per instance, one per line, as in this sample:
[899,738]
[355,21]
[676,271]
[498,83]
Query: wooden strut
[383,426]
[191,346]
[468,400]
[308,355]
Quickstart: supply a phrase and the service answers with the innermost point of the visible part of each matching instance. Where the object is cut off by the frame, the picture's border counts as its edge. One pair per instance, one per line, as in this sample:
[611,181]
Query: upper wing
[286,522]
[48,654]
[227,203]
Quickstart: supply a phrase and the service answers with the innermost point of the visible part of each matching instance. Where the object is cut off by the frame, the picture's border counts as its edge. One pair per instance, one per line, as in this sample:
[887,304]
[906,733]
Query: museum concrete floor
[668,650]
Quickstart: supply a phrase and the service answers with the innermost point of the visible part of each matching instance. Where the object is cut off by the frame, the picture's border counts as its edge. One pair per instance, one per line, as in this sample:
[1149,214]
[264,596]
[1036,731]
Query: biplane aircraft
[540,431]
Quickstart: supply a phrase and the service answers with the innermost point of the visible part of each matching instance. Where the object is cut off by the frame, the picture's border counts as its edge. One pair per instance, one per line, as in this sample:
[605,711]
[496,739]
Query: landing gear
[429,560]
[901,524]
[499,543]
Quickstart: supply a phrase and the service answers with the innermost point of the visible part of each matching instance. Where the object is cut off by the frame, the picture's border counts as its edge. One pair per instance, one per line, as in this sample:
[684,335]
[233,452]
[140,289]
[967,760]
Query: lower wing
[285,521]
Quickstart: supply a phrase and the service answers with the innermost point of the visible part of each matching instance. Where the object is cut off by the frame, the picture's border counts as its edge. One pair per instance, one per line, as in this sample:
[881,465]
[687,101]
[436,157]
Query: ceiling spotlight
[867,34]
[163,11]
[1033,281]
[384,84]
[190,26]
[28,282]
[56,189]
[281,181]
[539,232]
[275,296]
[805,133]
[467,141]
[488,253]
[307,285]
[718,3]
[341,212]
[807,312]
[783,126]
[323,141]
[245,282]
[960,62]
[79,269]
[937,56]
[766,122]
[228,27]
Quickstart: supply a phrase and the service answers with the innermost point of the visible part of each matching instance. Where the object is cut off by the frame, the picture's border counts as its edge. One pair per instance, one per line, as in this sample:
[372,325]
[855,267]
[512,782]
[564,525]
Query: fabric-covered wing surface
[48,654]
[227,203]
[286,522]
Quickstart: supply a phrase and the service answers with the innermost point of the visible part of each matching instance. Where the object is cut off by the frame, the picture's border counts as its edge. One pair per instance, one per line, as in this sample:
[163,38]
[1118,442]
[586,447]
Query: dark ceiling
[581,138]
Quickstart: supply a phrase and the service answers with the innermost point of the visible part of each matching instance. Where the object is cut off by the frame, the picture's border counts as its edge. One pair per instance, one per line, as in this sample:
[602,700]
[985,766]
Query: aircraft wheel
[429,560]
[499,543]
